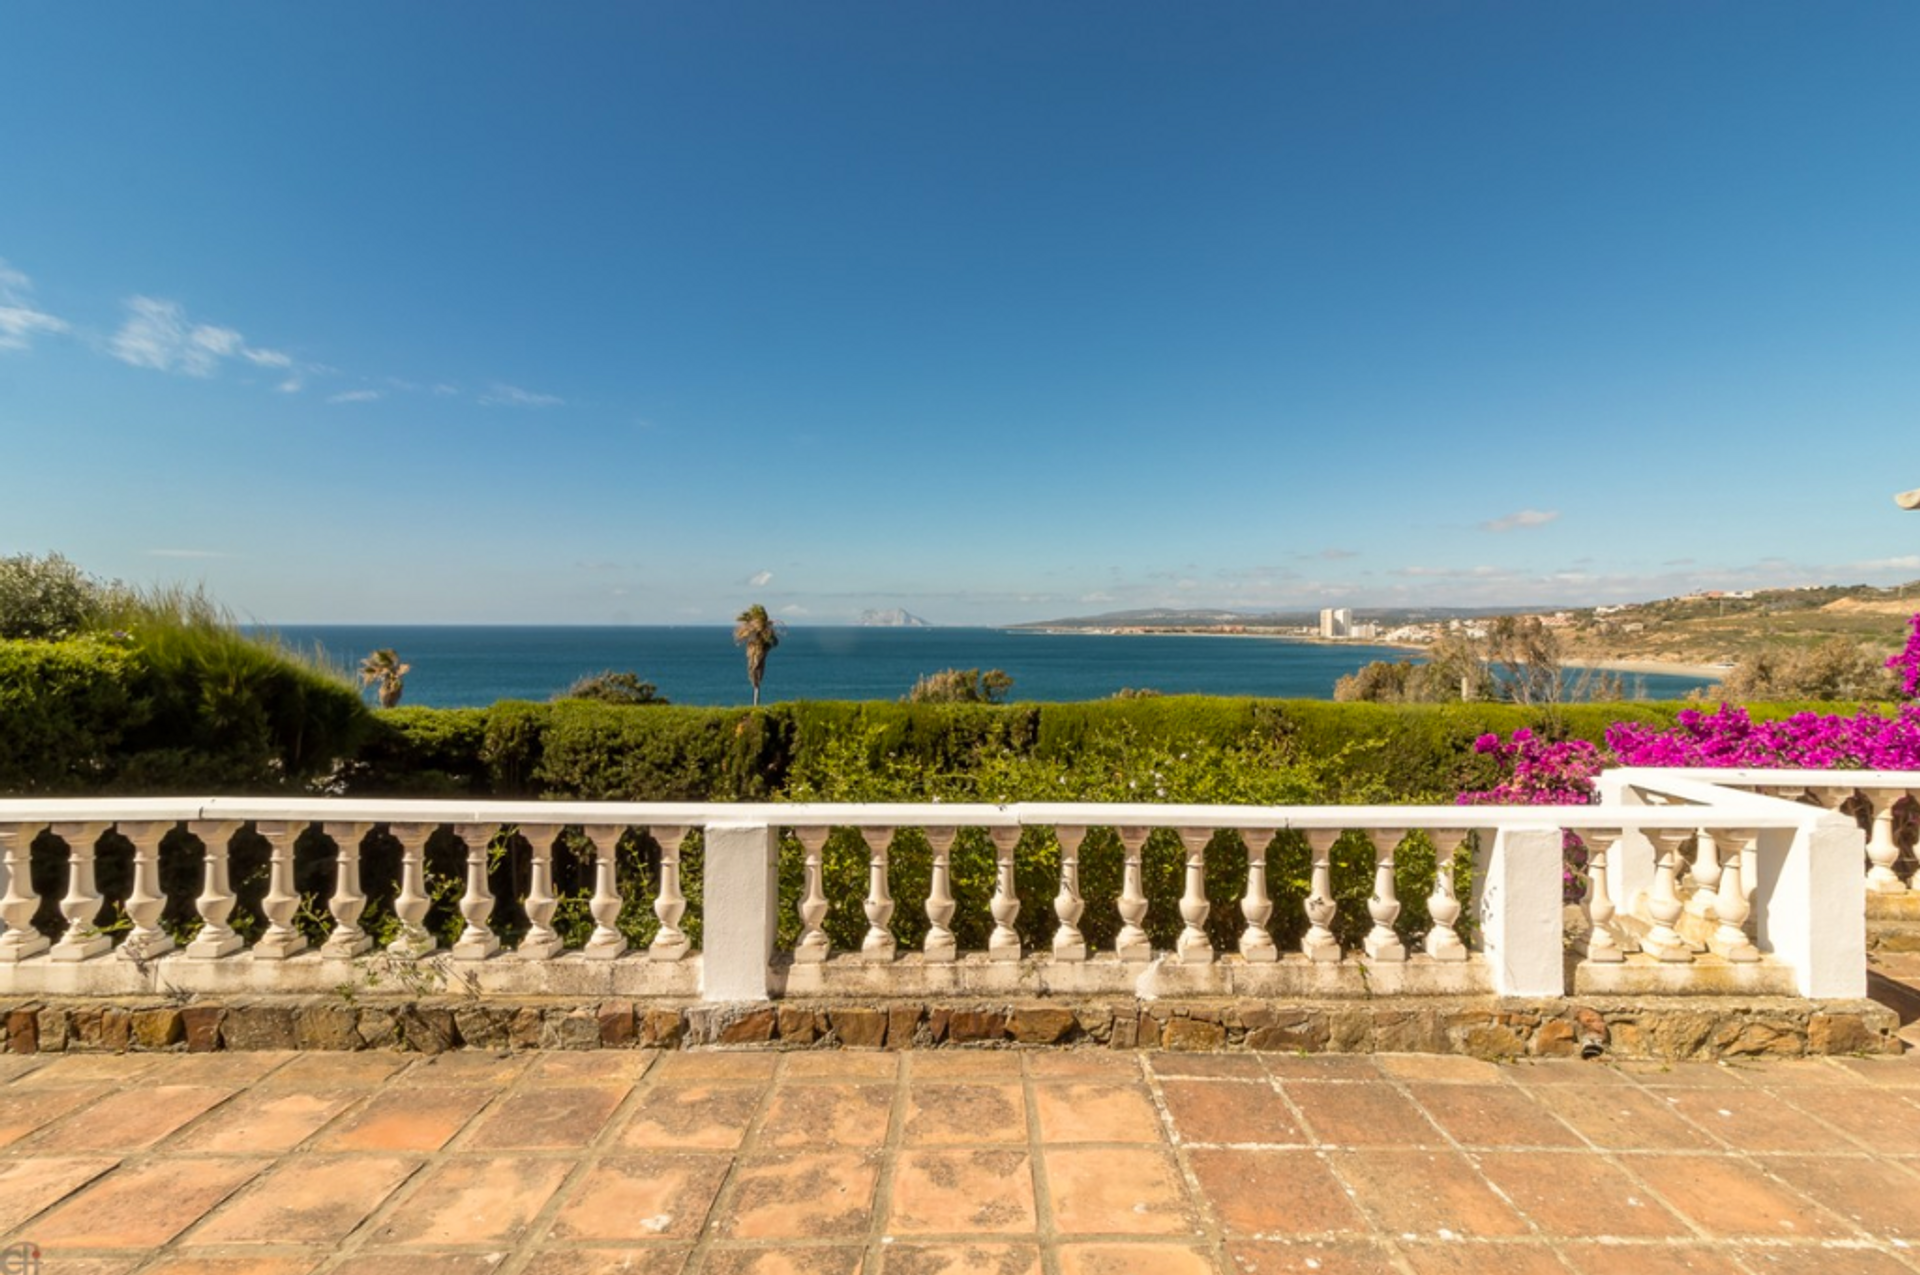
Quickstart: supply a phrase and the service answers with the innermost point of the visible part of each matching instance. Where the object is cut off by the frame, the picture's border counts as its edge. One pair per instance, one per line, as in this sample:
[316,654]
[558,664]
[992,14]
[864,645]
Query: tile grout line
[719,1209]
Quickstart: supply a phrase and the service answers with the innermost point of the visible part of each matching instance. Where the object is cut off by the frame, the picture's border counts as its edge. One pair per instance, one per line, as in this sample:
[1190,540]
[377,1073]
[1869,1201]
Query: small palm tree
[384,668]
[759,633]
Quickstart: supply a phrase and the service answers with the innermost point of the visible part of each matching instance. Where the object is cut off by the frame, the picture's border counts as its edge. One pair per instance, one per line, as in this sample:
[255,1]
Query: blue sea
[472,666]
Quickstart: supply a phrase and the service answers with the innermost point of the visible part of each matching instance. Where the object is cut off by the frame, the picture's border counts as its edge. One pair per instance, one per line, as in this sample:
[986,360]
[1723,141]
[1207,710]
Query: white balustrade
[1780,908]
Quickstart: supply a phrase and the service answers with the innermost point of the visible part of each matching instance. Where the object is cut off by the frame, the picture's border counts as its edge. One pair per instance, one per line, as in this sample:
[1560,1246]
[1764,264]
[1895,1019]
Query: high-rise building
[1336,622]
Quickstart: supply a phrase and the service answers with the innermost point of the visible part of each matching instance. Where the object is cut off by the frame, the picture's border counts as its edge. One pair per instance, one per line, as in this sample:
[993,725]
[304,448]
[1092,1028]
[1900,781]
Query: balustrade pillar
[1193,947]
[1662,941]
[606,942]
[1704,874]
[477,940]
[1004,943]
[349,901]
[1601,945]
[1319,943]
[282,903]
[1443,941]
[1732,905]
[1132,944]
[1256,905]
[1382,942]
[814,945]
[1883,852]
[145,939]
[1069,944]
[878,945]
[82,938]
[542,942]
[215,904]
[18,938]
[410,903]
[670,942]
[940,947]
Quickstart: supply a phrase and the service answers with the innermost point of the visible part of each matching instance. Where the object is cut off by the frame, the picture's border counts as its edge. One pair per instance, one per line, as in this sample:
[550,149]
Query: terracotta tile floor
[1049,1163]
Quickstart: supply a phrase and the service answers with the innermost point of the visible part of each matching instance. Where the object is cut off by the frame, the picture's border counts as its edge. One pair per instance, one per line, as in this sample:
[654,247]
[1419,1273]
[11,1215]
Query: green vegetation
[384,671]
[961,686]
[759,632]
[614,688]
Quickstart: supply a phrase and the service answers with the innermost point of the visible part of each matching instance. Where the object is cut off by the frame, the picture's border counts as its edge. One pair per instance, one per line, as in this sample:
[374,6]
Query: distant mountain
[893,619]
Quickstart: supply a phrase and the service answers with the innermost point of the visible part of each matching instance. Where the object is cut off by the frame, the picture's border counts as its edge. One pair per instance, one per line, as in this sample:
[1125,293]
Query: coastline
[1713,672]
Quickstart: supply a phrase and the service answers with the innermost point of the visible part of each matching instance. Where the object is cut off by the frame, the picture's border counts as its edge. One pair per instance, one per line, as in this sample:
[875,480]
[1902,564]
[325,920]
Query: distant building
[1336,622]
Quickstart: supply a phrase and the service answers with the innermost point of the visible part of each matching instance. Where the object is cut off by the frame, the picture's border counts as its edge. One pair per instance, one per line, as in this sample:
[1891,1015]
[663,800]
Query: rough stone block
[1758,1036]
[1094,1024]
[662,1028]
[1193,1035]
[938,1023]
[252,1027]
[903,1021]
[754,1027]
[570,1029]
[1040,1024]
[969,1025]
[1409,1031]
[54,1032]
[83,1028]
[1556,1038]
[617,1025]
[1124,1033]
[1679,1035]
[1350,1031]
[481,1026]
[157,1028]
[23,1031]
[326,1025]
[523,1028]
[378,1026]
[797,1025]
[203,1025]
[1842,1034]
[859,1028]
[1292,1032]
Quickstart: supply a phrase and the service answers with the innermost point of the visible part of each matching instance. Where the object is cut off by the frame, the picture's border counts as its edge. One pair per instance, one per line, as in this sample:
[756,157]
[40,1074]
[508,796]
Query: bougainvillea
[1907,663]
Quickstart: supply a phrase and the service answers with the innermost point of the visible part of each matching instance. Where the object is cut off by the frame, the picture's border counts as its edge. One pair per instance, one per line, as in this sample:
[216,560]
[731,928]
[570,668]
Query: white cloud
[443,389]
[1524,518]
[760,578]
[354,396]
[793,608]
[158,335]
[499,395]
[290,386]
[19,319]
[1908,562]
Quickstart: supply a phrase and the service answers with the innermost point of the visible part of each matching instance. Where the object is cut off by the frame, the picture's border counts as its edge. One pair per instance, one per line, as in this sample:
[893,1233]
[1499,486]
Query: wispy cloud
[1906,562]
[1519,521]
[20,319]
[187,553]
[157,334]
[499,395]
[760,579]
[355,396]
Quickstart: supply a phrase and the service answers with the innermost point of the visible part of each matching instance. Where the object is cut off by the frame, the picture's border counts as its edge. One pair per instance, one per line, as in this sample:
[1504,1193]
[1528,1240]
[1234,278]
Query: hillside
[1721,629]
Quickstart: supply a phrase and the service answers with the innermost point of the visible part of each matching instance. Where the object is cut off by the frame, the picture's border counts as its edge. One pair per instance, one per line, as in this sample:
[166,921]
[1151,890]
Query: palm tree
[385,668]
[759,633]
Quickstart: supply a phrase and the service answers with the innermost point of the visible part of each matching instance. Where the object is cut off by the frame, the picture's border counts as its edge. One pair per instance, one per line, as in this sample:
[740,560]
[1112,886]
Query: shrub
[47,597]
[613,688]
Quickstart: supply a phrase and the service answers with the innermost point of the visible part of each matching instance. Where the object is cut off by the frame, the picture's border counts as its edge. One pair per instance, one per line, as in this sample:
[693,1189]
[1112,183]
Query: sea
[466,666]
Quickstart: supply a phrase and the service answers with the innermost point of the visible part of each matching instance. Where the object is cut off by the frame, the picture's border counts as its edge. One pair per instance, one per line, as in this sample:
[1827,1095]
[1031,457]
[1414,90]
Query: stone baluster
[814,945]
[1883,853]
[19,940]
[1601,945]
[477,940]
[1732,907]
[281,904]
[542,942]
[940,947]
[1705,876]
[670,941]
[1193,947]
[606,942]
[1443,905]
[1069,944]
[145,940]
[215,904]
[1662,941]
[878,945]
[410,903]
[1256,905]
[1004,943]
[1382,942]
[81,905]
[1319,943]
[1132,944]
[349,901]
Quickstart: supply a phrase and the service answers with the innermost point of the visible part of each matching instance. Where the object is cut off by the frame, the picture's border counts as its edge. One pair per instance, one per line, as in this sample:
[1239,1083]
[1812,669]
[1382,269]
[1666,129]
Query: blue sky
[995,311]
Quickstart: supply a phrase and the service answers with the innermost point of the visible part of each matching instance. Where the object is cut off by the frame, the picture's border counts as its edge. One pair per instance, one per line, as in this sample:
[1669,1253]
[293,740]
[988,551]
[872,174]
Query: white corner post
[1630,865]
[1813,900]
[740,909]
[1520,913]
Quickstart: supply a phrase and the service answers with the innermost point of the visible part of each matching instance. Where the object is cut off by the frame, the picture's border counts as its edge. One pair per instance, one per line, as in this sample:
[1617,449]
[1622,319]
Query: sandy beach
[1674,667]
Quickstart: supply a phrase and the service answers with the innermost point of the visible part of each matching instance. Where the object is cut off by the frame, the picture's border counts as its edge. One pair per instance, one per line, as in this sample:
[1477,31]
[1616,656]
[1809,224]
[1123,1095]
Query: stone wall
[1672,1029]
